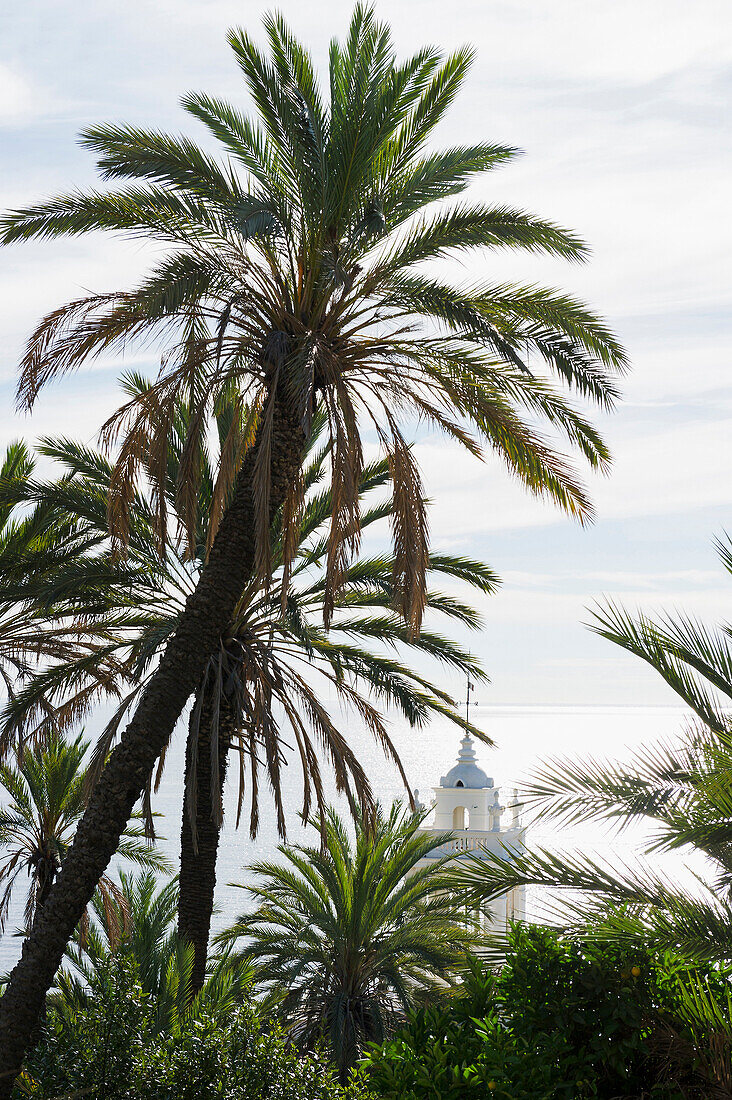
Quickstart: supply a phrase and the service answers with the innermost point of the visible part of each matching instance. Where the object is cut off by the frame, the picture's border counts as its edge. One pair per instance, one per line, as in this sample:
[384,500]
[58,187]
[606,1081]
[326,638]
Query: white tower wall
[467,804]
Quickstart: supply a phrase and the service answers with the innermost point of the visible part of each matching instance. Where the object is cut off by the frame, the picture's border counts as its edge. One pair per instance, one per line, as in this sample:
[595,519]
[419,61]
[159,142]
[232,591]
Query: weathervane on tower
[470,687]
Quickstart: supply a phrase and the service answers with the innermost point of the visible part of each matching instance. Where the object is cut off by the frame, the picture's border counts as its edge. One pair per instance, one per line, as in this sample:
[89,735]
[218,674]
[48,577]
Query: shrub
[594,998]
[91,1048]
[108,1047]
[562,1020]
[239,1061]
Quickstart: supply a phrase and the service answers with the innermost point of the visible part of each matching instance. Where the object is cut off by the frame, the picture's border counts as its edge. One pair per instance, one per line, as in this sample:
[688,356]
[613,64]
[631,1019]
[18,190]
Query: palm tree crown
[274,644]
[44,791]
[296,267]
[344,937]
[274,659]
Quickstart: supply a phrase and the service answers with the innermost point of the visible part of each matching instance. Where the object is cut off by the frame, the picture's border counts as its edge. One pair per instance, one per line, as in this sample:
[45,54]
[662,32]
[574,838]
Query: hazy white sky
[622,109]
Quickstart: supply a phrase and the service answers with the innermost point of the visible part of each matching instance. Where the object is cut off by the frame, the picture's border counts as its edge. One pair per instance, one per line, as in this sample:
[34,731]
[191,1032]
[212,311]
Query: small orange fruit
[636,971]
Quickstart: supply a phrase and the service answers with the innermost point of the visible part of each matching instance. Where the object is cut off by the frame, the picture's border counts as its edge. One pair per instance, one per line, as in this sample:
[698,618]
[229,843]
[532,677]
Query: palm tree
[139,924]
[44,801]
[269,653]
[345,936]
[294,269]
[681,790]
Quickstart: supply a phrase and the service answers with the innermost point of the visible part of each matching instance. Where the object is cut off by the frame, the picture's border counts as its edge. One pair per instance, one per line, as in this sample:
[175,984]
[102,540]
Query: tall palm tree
[44,800]
[680,789]
[269,654]
[294,269]
[345,936]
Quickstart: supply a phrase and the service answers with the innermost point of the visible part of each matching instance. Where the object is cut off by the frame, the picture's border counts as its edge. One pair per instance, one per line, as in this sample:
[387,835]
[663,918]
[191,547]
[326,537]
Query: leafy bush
[239,1061]
[441,1056]
[112,1049]
[562,1020]
[94,1048]
[594,998]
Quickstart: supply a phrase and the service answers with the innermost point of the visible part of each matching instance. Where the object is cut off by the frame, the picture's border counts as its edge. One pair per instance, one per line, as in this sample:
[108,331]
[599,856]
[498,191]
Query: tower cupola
[466,772]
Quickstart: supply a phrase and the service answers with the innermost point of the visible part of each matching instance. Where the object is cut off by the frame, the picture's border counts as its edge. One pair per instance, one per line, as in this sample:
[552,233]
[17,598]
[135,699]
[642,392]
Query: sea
[523,737]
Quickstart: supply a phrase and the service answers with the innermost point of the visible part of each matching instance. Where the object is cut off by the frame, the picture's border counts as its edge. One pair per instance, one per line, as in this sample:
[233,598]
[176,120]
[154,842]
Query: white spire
[467,754]
[467,772]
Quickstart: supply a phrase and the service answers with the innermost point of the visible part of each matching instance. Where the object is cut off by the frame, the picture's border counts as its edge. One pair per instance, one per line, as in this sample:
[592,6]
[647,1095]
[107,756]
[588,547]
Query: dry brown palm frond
[346,464]
[50,349]
[143,437]
[117,915]
[410,532]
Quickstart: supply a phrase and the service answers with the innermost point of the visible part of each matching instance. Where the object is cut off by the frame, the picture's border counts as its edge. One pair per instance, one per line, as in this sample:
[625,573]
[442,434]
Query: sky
[622,112]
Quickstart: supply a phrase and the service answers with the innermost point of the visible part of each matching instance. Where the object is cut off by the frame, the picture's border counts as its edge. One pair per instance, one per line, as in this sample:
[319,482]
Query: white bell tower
[466,797]
[468,804]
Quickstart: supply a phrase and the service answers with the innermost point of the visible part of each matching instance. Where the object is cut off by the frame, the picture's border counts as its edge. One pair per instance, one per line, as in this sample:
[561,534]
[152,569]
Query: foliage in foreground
[138,925]
[112,1050]
[562,1020]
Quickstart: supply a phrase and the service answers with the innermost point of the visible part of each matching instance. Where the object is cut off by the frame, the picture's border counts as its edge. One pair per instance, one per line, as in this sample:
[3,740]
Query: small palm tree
[44,800]
[345,937]
[682,790]
[138,924]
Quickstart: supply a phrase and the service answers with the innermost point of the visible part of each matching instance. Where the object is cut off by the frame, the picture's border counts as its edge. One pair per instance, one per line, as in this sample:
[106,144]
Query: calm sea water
[523,736]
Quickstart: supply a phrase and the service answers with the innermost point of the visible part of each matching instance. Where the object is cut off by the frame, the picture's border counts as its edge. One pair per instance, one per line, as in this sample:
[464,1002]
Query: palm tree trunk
[198,853]
[44,891]
[208,612]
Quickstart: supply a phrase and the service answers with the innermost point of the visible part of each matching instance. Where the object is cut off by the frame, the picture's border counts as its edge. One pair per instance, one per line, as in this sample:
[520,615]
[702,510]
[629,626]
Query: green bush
[92,1048]
[562,1020]
[239,1061]
[595,999]
[108,1048]
[441,1057]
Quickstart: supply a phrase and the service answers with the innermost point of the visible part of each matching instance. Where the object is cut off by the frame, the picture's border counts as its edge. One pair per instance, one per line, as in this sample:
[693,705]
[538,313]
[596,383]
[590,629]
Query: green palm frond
[345,935]
[137,922]
[680,788]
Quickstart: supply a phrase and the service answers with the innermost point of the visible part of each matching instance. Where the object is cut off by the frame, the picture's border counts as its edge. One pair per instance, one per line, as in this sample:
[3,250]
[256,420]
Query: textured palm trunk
[207,614]
[44,890]
[43,894]
[199,850]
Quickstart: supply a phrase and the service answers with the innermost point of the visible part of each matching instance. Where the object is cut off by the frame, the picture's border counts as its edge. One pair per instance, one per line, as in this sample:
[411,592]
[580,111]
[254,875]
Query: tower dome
[466,772]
